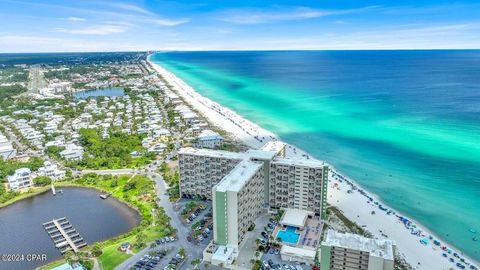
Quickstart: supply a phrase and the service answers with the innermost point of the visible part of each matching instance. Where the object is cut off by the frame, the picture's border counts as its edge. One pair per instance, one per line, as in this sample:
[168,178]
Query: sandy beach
[344,193]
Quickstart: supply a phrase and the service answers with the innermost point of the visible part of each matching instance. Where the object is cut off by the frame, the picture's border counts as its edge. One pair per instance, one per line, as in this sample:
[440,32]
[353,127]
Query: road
[193,251]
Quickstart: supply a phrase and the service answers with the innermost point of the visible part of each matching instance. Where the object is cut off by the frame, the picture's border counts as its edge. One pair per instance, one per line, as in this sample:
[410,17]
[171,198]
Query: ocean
[403,124]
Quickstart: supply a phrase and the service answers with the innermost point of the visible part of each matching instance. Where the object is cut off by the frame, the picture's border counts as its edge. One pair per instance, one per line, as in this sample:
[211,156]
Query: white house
[157,148]
[72,152]
[209,139]
[51,170]
[22,178]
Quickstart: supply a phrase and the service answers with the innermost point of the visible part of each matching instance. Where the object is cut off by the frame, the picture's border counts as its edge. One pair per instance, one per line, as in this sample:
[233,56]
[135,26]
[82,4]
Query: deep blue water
[404,124]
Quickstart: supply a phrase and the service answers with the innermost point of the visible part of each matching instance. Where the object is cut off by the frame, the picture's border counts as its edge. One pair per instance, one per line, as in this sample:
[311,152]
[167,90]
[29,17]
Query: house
[51,170]
[22,178]
[72,152]
[209,139]
[157,148]
[124,247]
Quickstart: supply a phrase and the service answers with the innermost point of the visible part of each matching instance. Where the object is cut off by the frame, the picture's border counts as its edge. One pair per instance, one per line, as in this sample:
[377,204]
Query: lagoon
[21,230]
[104,92]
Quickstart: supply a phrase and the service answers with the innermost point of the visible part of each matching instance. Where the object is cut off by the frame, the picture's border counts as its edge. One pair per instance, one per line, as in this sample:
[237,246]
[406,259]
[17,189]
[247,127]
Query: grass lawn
[111,257]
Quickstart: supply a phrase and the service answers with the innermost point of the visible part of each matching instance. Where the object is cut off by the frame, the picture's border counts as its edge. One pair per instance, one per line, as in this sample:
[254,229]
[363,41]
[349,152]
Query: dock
[105,196]
[64,235]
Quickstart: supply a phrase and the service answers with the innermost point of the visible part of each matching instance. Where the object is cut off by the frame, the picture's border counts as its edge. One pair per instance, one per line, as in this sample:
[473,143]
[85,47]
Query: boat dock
[64,235]
[105,196]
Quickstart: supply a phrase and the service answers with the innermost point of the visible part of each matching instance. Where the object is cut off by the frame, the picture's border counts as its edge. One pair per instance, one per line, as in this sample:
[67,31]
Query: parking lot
[167,258]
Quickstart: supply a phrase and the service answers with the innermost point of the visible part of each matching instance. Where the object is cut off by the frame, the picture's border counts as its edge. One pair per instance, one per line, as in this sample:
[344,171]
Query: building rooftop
[296,251]
[275,146]
[295,217]
[222,254]
[376,247]
[239,176]
[211,153]
[261,154]
[299,162]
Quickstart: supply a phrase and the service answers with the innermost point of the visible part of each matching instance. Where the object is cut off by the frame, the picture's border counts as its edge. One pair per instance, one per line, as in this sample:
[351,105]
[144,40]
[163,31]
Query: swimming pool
[288,235]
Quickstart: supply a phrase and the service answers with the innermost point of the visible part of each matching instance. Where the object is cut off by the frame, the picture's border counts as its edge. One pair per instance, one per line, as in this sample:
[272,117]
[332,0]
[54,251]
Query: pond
[104,92]
[21,230]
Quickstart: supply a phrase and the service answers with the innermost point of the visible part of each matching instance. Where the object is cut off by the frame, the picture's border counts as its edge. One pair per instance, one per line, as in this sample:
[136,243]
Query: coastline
[380,224]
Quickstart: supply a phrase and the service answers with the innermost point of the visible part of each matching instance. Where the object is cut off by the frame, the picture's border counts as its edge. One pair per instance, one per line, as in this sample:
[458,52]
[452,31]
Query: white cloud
[106,29]
[75,19]
[134,8]
[169,22]
[256,16]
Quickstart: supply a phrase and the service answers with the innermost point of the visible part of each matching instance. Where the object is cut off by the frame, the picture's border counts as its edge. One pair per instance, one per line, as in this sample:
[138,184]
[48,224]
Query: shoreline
[102,242]
[419,256]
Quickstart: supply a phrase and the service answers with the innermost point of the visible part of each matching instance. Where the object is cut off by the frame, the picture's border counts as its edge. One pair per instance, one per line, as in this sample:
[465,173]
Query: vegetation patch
[113,152]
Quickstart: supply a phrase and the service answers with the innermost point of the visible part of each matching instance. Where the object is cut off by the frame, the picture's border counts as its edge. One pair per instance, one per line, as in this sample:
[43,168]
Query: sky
[138,25]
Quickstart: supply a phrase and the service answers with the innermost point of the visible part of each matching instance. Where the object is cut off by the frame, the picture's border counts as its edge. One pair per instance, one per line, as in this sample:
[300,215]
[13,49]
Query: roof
[222,254]
[210,153]
[382,248]
[294,217]
[239,176]
[276,146]
[296,251]
[209,135]
[312,163]
[260,154]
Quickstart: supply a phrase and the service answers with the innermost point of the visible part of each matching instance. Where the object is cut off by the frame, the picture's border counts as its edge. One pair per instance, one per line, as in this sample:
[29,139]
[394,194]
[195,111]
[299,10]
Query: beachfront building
[241,185]
[21,179]
[209,139]
[51,170]
[237,202]
[298,184]
[201,169]
[346,251]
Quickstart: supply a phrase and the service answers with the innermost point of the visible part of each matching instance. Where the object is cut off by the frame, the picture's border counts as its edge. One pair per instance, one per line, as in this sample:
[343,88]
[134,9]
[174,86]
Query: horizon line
[251,50]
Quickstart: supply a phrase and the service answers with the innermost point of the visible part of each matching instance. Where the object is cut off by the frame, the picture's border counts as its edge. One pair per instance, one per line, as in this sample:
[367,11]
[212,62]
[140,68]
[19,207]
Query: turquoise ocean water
[404,124]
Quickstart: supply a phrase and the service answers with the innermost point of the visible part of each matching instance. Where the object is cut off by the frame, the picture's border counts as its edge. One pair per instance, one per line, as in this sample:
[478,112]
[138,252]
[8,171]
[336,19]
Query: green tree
[195,263]
[42,181]
[182,252]
[96,250]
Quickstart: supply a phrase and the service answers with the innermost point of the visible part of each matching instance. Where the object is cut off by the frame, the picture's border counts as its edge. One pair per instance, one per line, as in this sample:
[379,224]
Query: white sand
[354,205]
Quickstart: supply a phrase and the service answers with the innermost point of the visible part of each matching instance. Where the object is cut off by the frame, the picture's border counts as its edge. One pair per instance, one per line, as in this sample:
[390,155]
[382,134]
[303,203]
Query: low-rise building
[346,251]
[51,170]
[209,139]
[21,179]
[72,152]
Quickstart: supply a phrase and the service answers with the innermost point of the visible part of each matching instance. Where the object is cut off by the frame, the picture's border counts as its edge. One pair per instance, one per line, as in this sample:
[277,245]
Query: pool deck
[309,236]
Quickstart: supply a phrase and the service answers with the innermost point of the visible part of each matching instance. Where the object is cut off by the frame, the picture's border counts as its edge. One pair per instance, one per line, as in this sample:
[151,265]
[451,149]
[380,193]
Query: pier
[64,235]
